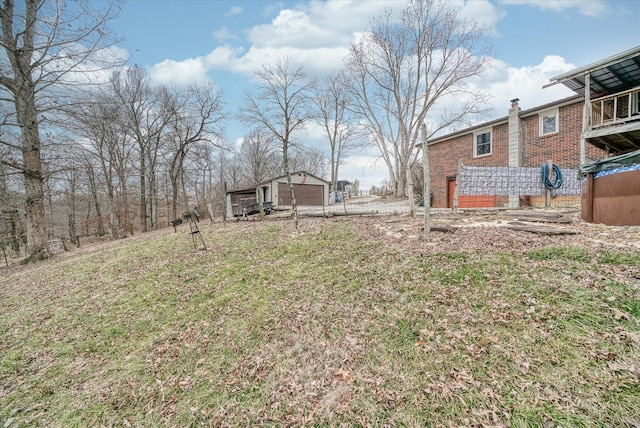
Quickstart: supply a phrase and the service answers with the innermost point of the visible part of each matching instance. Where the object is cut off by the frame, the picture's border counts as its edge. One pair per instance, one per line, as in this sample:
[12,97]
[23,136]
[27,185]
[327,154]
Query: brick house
[523,138]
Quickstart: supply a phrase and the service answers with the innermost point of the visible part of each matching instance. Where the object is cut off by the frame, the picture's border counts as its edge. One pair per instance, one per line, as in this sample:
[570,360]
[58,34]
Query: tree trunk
[184,189]
[174,197]
[143,190]
[72,208]
[426,190]
[294,205]
[412,205]
[96,201]
[37,243]
[153,200]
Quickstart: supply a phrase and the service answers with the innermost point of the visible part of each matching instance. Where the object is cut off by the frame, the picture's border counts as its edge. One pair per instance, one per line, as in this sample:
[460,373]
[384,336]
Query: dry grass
[339,325]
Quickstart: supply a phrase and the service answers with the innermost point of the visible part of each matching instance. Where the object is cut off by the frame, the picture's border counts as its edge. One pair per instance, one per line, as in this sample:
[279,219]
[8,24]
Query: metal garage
[306,194]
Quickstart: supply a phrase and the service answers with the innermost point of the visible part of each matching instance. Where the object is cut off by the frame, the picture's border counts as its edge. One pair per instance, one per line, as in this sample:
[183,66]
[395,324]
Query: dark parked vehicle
[255,208]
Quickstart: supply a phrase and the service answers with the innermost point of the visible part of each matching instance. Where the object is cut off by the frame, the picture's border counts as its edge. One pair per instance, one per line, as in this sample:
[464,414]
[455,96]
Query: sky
[183,42]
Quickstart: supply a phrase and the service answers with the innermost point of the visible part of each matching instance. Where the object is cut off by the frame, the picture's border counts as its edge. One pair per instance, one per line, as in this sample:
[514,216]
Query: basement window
[482,143]
[549,122]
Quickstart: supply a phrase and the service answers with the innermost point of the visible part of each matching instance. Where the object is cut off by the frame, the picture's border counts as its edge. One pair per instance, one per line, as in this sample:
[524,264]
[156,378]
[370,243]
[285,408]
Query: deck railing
[616,109]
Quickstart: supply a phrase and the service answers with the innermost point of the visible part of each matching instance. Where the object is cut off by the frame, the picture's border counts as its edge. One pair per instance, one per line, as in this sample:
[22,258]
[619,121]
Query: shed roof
[253,188]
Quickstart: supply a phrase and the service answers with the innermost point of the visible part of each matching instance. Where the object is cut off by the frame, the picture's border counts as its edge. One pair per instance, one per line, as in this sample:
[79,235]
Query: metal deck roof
[613,74]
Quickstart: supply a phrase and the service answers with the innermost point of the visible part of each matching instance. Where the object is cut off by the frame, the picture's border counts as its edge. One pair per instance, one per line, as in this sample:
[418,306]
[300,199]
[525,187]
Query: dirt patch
[483,231]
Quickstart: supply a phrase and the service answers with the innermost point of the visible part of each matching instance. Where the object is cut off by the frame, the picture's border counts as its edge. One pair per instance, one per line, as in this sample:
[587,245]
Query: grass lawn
[332,326]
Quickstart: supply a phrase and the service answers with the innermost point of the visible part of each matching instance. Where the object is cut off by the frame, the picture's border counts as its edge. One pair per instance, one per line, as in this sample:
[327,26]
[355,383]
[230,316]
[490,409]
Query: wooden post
[224,203]
[588,212]
[344,203]
[259,197]
[586,117]
[426,187]
[547,200]
[455,192]
[210,209]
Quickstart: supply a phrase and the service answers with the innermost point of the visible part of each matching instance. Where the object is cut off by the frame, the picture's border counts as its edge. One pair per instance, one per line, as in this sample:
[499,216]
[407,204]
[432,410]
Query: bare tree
[196,116]
[100,124]
[47,44]
[204,164]
[308,159]
[145,120]
[258,155]
[92,181]
[281,106]
[402,71]
[334,101]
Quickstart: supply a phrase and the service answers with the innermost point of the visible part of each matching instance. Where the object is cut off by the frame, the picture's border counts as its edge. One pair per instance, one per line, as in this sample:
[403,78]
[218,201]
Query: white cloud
[483,12]
[180,73]
[195,70]
[223,57]
[235,10]
[294,28]
[223,34]
[316,62]
[526,83]
[585,7]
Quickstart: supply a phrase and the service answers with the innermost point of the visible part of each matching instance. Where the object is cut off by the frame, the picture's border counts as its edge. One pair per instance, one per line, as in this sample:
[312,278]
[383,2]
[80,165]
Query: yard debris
[623,367]
[543,230]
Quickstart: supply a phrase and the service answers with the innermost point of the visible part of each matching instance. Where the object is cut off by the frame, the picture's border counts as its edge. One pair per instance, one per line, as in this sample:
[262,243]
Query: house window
[482,143]
[549,122]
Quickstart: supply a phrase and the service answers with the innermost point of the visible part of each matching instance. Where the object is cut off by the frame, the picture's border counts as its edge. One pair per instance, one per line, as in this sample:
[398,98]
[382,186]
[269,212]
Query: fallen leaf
[343,375]
[607,356]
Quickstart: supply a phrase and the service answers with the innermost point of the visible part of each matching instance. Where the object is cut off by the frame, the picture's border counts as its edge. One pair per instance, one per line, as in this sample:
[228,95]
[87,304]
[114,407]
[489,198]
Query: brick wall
[562,148]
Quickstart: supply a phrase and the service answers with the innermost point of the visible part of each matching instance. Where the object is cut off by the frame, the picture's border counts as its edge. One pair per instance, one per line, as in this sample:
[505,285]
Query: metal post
[547,200]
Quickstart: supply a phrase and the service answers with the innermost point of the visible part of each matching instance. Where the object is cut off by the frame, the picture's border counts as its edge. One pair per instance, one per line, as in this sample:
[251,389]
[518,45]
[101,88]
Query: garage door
[306,194]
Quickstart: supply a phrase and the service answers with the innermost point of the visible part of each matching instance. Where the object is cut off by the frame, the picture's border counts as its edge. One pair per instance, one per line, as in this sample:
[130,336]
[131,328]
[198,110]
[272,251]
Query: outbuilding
[309,191]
